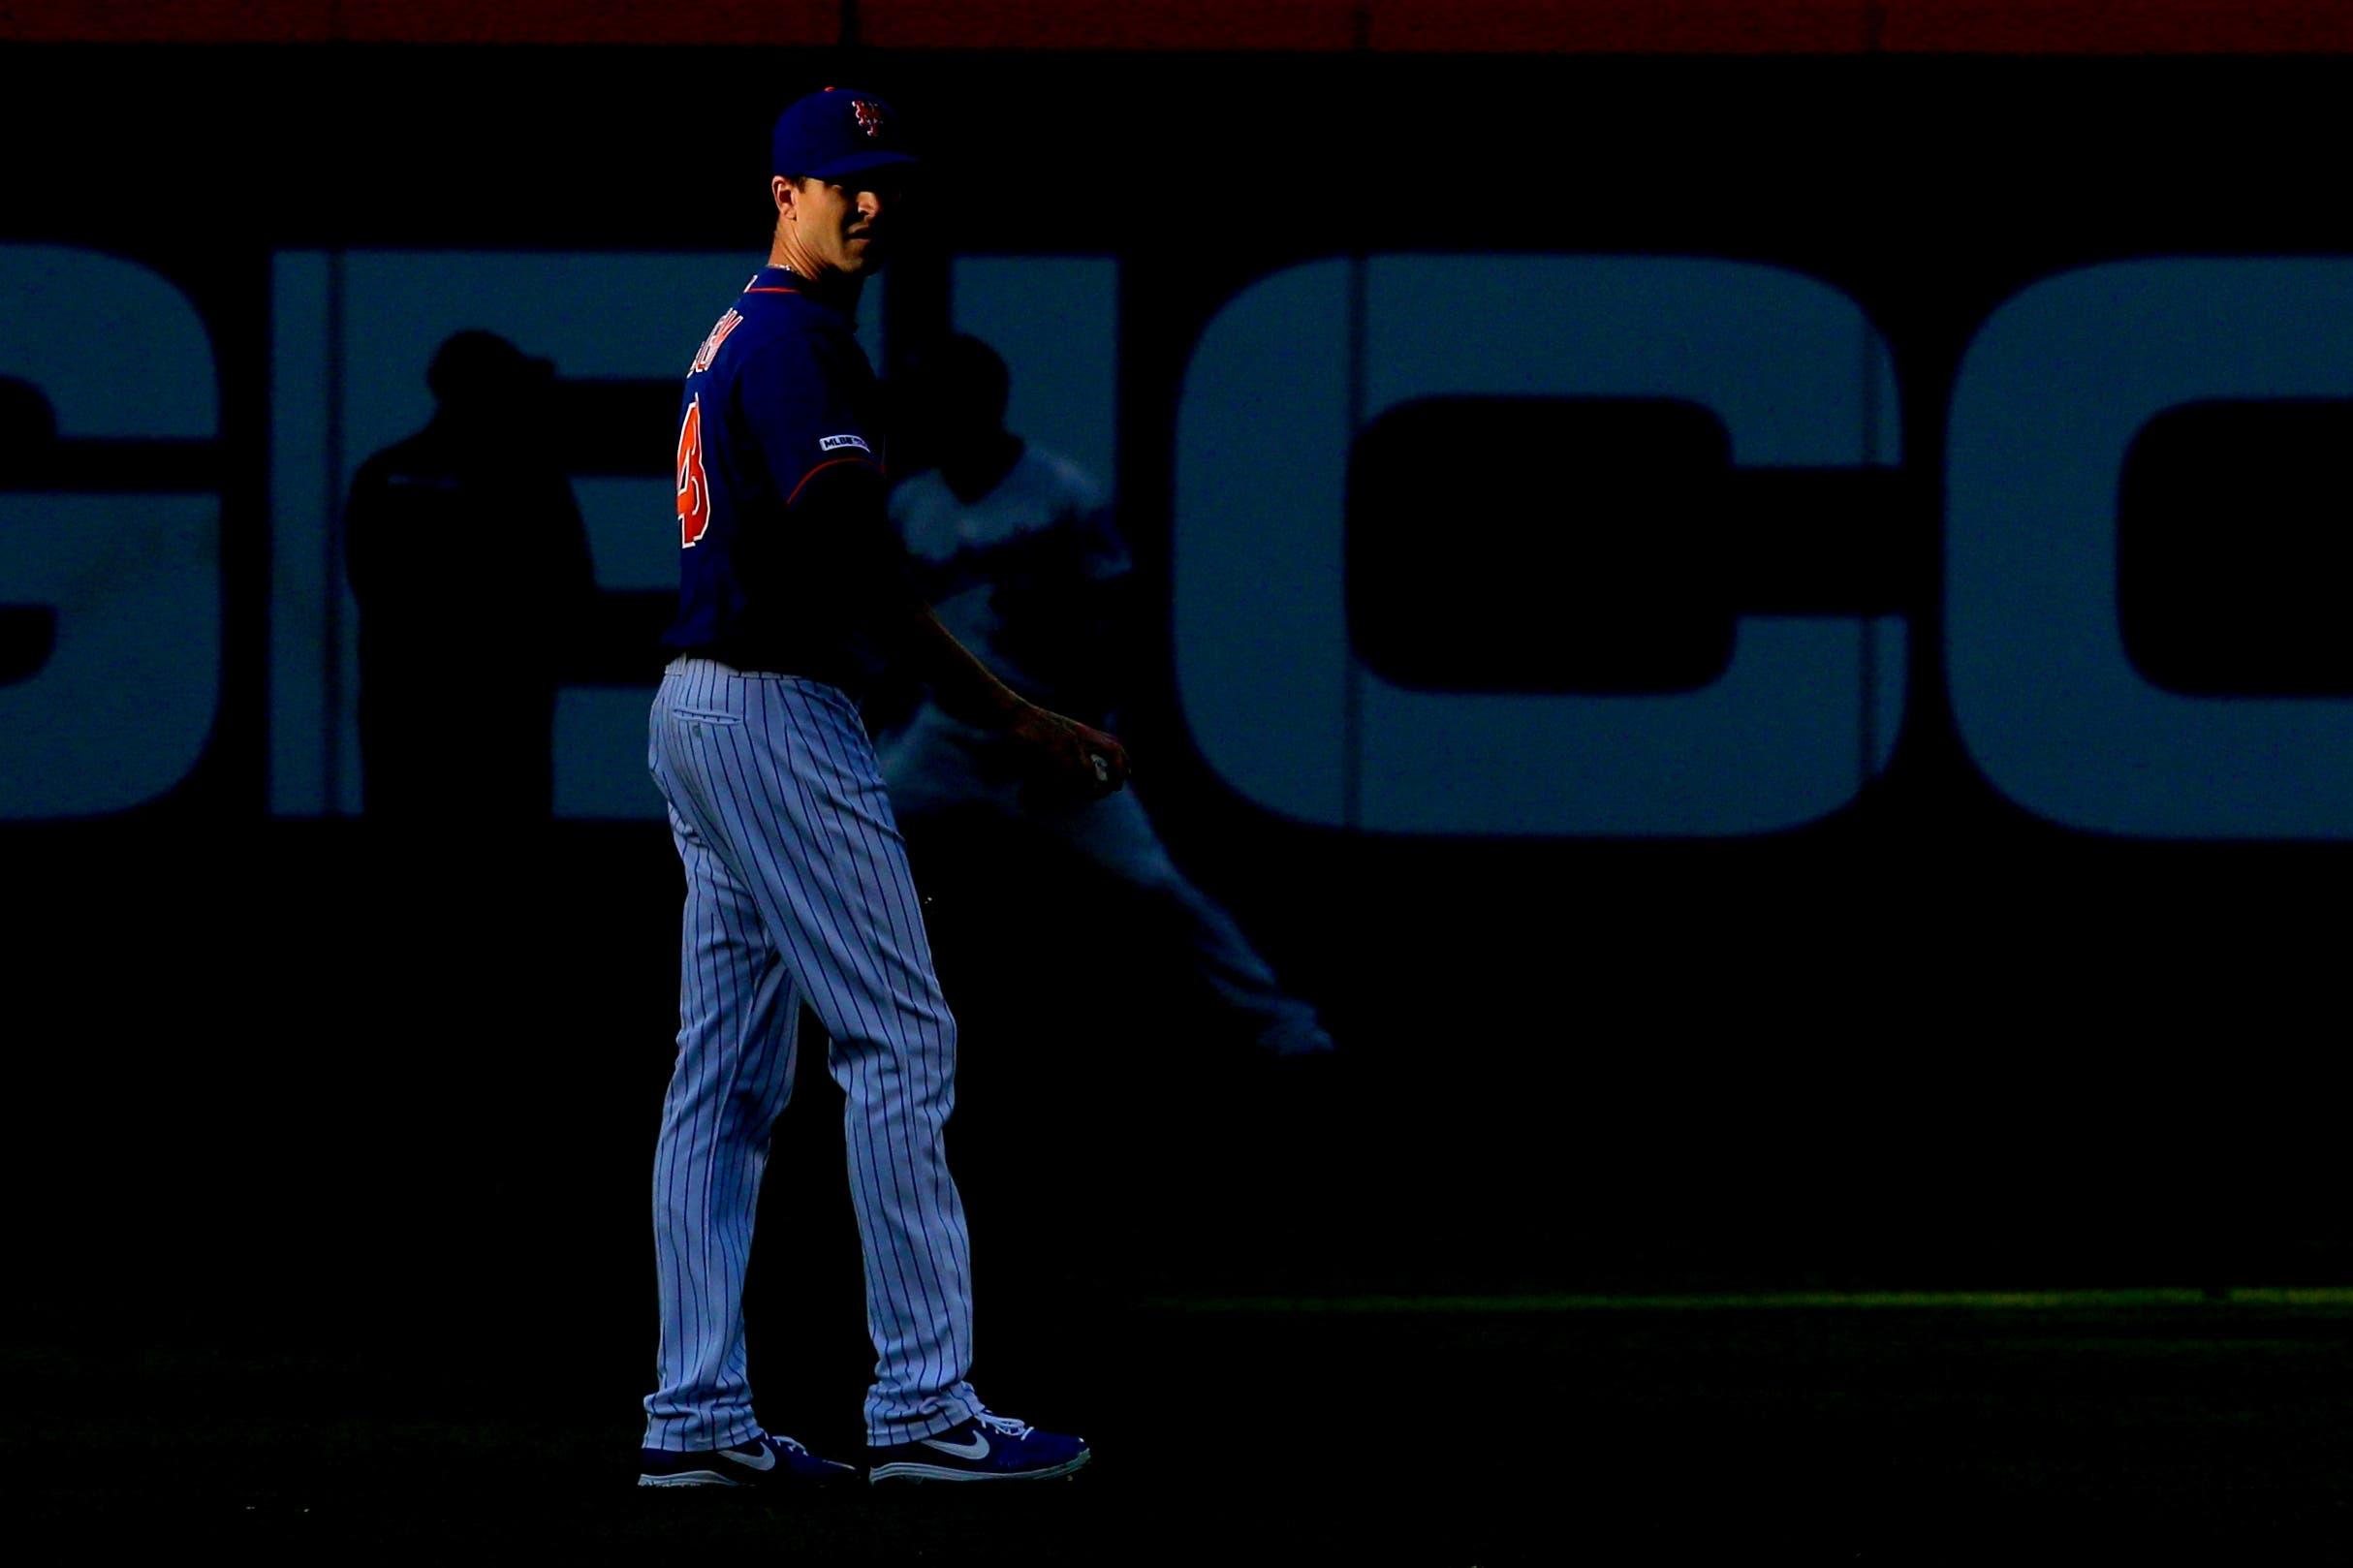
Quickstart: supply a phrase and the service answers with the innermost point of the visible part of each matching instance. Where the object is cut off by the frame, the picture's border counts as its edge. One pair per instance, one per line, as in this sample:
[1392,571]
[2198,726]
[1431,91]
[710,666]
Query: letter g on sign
[123,707]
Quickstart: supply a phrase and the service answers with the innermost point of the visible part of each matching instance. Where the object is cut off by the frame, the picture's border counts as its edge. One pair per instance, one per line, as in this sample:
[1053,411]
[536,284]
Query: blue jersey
[783,556]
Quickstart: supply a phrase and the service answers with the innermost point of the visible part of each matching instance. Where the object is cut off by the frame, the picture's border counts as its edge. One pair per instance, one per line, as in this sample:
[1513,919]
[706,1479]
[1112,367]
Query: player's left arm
[1089,760]
[863,554]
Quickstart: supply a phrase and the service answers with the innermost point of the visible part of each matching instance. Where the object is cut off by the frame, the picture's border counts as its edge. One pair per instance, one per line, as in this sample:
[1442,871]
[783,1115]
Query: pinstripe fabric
[797,890]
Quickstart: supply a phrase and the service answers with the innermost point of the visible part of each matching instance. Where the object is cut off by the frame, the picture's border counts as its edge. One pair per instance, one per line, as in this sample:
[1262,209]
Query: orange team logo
[870,115]
[710,345]
[694,490]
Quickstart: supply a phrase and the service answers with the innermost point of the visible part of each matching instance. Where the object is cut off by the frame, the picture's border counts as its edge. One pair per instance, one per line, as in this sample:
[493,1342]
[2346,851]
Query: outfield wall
[1751,608]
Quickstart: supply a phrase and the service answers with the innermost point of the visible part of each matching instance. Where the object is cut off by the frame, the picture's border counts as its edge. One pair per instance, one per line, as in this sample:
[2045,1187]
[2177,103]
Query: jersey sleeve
[794,400]
[848,543]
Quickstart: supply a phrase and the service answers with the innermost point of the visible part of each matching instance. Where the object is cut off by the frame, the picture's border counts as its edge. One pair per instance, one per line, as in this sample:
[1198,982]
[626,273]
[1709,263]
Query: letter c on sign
[2051,396]
[1264,676]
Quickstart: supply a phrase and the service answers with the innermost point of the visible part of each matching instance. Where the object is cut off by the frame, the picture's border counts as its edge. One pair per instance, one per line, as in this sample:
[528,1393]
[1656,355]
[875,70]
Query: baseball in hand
[1102,765]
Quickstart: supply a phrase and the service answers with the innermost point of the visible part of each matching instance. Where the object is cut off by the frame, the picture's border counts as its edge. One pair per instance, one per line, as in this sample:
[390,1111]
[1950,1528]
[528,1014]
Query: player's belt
[765,665]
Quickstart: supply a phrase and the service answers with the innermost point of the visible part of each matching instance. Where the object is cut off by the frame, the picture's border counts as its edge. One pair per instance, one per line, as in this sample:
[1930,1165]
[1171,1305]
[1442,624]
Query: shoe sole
[715,1478]
[911,1470]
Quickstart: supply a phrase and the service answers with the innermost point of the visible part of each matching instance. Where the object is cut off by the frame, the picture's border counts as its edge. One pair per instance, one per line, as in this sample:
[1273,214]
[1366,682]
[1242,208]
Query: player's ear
[782,191]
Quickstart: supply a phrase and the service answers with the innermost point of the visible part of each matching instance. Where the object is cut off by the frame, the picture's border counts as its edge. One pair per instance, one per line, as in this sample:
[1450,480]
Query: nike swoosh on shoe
[977,1449]
[767,1460]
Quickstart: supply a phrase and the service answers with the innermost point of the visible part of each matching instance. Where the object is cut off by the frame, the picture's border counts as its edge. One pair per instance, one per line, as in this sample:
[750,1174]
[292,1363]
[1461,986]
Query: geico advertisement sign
[2047,400]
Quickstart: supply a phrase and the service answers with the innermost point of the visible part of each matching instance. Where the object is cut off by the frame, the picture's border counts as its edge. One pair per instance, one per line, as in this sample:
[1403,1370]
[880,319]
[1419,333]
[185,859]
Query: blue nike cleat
[765,1461]
[986,1448]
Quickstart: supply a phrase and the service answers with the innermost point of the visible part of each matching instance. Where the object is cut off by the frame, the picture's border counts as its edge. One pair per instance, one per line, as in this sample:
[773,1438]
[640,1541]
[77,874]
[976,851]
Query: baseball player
[1015,548]
[794,595]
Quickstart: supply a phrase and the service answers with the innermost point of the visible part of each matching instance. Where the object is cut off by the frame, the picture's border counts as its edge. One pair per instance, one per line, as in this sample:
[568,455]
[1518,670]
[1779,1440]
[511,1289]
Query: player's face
[846,227]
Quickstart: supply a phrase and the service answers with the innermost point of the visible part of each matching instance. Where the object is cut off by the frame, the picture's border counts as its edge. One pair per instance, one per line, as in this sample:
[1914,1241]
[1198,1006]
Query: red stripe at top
[1746,27]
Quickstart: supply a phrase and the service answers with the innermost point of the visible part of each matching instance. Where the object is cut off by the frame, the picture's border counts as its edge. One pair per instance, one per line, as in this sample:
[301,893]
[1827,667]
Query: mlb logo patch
[831,443]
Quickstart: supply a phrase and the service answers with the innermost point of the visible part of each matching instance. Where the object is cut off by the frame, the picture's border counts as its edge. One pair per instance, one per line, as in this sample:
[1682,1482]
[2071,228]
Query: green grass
[1968,1300]
[1884,1426]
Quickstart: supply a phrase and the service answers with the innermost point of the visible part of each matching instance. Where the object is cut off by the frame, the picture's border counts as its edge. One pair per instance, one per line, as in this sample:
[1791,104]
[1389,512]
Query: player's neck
[839,290]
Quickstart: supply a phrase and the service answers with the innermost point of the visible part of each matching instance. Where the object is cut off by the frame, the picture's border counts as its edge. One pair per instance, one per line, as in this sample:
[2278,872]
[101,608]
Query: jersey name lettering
[710,345]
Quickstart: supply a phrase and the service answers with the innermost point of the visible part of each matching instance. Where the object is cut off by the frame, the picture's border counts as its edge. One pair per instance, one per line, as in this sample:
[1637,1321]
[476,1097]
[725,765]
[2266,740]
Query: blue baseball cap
[837,133]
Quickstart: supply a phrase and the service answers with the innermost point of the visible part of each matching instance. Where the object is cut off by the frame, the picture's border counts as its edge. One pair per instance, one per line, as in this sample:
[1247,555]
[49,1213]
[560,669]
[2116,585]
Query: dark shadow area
[1602,545]
[28,636]
[612,427]
[2234,543]
[28,425]
[33,456]
[1536,544]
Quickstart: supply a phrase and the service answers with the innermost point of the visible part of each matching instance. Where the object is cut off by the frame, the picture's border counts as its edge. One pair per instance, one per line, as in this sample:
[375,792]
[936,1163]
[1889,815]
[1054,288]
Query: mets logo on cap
[870,115]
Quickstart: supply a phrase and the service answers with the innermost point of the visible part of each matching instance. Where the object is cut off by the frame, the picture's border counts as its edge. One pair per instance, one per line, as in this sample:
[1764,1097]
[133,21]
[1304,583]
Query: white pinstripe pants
[797,890]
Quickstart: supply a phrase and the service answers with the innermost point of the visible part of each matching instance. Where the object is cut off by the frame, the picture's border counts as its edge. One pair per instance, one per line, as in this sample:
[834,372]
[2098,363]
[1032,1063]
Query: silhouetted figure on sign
[1015,549]
[469,557]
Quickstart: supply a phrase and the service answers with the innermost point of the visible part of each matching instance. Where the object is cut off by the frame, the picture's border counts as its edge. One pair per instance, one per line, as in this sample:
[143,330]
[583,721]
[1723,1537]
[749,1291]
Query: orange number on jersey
[694,490]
